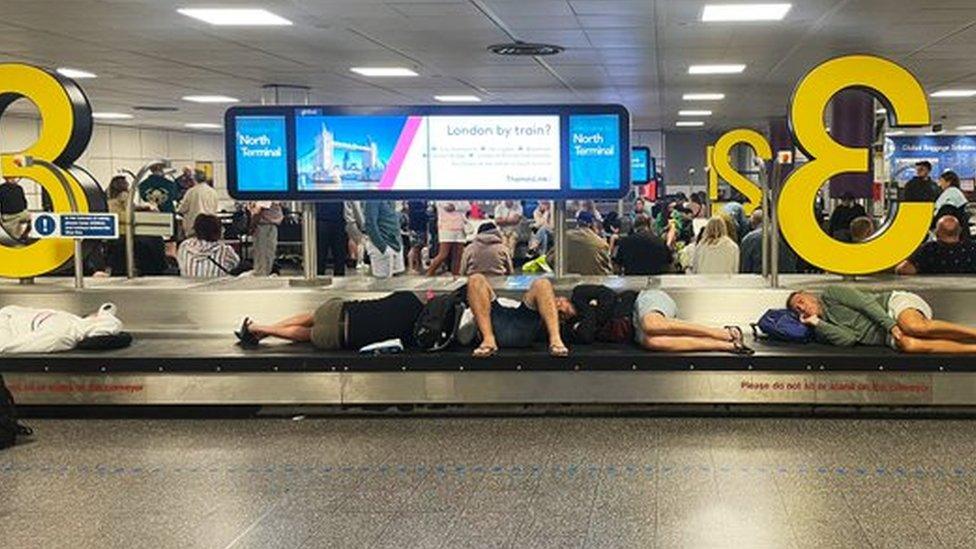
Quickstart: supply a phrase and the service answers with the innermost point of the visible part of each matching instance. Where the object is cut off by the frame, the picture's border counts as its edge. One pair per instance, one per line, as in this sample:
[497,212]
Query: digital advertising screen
[331,153]
[641,166]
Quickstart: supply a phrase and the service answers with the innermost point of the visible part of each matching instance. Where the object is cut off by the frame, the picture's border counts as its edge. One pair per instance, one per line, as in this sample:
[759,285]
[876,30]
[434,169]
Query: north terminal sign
[430,152]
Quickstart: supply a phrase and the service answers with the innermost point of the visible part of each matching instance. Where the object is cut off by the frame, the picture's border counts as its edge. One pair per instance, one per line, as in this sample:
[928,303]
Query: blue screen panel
[260,151]
[594,152]
[640,160]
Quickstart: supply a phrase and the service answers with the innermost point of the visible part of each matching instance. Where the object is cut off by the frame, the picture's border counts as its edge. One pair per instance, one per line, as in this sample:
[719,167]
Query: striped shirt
[202,259]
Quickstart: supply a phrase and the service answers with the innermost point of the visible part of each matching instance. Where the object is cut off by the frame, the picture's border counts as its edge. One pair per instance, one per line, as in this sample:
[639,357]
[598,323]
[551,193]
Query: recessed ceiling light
[235,17]
[203,126]
[954,93]
[383,71]
[690,124]
[457,98]
[733,68]
[694,113]
[703,96]
[967,128]
[745,12]
[210,99]
[75,73]
[899,132]
[111,116]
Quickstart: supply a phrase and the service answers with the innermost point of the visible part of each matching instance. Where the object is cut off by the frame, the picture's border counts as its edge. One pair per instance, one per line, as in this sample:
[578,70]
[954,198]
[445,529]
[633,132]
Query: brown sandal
[558,351]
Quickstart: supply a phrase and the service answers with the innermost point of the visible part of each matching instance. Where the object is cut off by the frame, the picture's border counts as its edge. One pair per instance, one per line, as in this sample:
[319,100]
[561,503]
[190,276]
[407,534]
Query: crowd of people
[674,234]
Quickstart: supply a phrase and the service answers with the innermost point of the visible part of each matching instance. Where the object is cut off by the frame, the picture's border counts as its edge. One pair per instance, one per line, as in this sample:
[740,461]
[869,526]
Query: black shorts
[515,327]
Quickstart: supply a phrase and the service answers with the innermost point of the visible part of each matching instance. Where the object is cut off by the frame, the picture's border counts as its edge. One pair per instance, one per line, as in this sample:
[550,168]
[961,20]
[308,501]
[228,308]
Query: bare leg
[914,345]
[680,344]
[443,251]
[303,319]
[290,333]
[457,252]
[542,299]
[655,324]
[480,296]
[914,323]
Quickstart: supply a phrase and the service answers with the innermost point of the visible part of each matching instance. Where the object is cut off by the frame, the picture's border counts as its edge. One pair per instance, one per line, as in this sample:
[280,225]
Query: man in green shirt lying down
[902,320]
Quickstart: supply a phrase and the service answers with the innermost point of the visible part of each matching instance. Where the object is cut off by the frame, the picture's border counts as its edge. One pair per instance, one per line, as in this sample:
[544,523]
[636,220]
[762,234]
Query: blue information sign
[81,226]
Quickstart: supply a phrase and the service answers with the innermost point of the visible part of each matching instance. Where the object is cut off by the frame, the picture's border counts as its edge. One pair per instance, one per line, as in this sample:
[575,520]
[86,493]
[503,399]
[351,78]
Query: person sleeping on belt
[901,320]
[343,324]
[595,313]
[495,322]
[30,330]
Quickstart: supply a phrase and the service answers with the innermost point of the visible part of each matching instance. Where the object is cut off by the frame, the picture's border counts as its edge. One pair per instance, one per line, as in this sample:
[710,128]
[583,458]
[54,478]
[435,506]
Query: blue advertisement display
[594,152]
[488,152]
[640,169]
[260,154]
[945,152]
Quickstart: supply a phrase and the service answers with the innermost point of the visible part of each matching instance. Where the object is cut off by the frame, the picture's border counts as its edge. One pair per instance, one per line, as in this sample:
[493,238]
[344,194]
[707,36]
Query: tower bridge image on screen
[333,162]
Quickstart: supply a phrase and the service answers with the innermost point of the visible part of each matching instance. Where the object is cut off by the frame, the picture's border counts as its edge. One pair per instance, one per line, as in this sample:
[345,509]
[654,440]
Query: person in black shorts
[509,324]
[341,324]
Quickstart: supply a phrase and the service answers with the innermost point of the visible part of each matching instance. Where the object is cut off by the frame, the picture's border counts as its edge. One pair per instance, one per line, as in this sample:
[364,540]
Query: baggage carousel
[184,354]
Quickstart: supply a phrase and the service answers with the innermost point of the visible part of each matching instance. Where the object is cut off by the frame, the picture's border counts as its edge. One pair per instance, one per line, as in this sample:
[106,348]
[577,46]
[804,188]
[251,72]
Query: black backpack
[437,326]
[9,428]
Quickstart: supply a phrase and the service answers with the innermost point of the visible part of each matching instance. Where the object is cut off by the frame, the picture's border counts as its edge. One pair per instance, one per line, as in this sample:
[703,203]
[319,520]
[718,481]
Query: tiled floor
[491,482]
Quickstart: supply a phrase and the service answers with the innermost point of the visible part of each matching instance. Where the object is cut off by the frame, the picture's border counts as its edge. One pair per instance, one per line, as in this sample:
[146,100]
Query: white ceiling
[634,52]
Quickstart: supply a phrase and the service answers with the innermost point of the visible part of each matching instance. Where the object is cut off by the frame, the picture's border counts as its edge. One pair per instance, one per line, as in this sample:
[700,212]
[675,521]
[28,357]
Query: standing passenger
[450,235]
[921,188]
[385,247]
[331,238]
[200,198]
[265,218]
[419,219]
[508,216]
[716,253]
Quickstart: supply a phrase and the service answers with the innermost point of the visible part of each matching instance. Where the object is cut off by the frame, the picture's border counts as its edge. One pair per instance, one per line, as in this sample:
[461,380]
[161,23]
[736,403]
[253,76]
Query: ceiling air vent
[525,48]
[154,108]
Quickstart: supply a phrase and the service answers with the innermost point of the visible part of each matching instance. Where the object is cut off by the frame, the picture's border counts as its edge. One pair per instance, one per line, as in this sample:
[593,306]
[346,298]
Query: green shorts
[327,325]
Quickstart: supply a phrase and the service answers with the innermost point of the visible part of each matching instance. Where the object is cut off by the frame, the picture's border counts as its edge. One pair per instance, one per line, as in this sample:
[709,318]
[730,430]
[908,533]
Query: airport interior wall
[115,147]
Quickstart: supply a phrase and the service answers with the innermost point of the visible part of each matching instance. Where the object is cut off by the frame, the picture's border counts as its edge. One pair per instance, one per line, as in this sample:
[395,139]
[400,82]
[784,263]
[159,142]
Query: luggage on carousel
[10,429]
[782,325]
[436,327]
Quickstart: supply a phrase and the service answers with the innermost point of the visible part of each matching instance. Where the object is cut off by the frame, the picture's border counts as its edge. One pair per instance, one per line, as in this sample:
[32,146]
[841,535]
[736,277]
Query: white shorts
[900,302]
[385,264]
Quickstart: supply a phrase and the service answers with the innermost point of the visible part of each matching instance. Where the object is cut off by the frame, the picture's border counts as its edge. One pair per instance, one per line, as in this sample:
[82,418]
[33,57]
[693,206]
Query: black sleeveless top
[376,320]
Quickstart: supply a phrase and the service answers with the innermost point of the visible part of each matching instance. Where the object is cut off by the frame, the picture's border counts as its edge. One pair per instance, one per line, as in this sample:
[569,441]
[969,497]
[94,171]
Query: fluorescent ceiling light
[75,73]
[694,113]
[716,69]
[383,71]
[690,124]
[968,128]
[745,12]
[111,116]
[457,98]
[235,17]
[703,96]
[210,99]
[954,93]
[203,126]
[896,133]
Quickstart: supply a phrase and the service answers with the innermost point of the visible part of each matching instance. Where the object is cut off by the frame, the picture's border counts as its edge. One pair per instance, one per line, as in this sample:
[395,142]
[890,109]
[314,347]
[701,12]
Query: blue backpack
[782,325]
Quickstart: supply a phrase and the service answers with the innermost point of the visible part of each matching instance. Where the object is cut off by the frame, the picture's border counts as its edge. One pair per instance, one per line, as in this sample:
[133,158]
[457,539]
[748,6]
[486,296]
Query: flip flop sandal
[244,335]
[741,349]
[558,351]
[735,333]
[484,351]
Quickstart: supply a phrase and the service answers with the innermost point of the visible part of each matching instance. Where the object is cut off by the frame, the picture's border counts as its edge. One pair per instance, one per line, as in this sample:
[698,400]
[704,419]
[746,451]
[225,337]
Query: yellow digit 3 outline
[66,126]
[905,100]
[721,167]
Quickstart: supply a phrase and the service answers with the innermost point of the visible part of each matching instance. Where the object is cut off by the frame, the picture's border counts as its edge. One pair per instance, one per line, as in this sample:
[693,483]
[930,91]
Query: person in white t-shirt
[30,330]
[716,253]
[508,216]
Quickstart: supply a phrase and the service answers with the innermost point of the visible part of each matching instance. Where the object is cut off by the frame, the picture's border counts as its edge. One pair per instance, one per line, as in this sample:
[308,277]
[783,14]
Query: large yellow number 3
[905,99]
[66,126]
[718,162]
